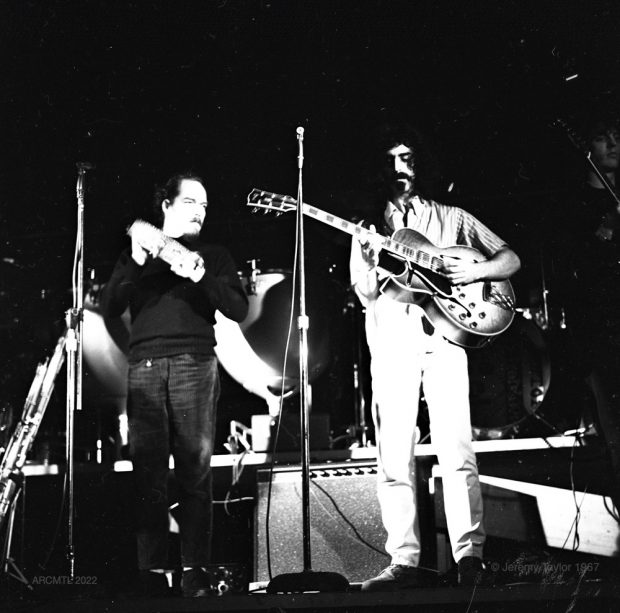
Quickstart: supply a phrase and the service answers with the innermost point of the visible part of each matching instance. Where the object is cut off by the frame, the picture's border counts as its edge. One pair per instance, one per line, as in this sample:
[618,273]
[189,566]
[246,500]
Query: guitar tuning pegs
[254,209]
[278,213]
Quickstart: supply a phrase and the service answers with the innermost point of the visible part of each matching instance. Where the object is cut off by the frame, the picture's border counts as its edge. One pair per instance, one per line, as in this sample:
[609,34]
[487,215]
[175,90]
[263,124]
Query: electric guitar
[466,315]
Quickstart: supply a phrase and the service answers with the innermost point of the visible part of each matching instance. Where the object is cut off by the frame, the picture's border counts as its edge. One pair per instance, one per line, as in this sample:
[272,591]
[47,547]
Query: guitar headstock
[576,139]
[260,199]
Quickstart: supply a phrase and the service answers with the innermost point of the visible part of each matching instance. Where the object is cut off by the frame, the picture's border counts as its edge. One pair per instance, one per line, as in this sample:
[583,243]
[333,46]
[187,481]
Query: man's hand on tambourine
[190,266]
[143,245]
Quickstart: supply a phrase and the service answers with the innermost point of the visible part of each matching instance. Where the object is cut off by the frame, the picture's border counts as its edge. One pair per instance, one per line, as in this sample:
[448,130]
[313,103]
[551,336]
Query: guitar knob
[462,316]
[472,305]
[482,315]
[473,324]
[461,296]
[451,307]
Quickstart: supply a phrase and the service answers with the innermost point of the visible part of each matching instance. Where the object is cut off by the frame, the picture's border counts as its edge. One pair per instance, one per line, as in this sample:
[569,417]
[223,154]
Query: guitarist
[591,237]
[407,353]
[173,375]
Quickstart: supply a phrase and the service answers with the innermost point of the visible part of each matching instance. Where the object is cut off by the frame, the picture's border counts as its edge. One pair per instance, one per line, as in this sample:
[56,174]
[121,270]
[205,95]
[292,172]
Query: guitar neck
[417,256]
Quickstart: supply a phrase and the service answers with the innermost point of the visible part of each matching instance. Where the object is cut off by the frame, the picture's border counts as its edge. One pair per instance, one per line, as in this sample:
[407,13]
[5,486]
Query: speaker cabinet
[346,532]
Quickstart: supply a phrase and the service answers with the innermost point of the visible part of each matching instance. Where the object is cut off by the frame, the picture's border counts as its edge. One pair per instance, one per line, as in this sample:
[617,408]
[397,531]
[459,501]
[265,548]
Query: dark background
[142,89]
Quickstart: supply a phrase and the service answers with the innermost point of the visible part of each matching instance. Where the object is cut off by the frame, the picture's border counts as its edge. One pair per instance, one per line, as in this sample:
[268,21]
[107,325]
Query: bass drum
[508,381]
[104,345]
[252,352]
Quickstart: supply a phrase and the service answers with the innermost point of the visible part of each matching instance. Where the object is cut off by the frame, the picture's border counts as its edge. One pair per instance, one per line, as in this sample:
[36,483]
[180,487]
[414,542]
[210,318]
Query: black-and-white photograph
[310,305]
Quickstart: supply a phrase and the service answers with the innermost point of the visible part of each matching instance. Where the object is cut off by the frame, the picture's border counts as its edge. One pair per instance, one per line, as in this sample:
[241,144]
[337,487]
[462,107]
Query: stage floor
[573,597]
[521,476]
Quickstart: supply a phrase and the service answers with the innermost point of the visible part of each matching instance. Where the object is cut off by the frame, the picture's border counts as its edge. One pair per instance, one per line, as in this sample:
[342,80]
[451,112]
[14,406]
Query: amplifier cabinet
[346,531]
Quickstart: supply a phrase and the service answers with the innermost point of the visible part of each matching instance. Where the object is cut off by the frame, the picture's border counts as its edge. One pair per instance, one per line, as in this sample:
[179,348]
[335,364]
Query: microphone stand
[74,320]
[308,580]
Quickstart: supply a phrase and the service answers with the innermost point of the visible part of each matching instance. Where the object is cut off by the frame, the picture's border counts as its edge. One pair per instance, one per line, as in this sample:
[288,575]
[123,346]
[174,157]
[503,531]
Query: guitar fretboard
[279,202]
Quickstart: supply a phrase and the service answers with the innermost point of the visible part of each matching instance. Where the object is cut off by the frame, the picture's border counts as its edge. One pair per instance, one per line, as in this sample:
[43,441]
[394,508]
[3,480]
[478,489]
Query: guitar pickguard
[411,278]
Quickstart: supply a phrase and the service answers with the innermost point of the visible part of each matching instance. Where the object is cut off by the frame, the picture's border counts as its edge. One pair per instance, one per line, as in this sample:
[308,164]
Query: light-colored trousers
[403,357]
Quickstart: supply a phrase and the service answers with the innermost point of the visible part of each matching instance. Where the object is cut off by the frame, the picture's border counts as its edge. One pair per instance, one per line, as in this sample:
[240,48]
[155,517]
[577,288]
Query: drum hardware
[250,288]
[509,381]
[237,441]
[360,427]
[544,315]
[42,387]
[8,566]
[541,317]
[14,458]
[6,421]
[538,316]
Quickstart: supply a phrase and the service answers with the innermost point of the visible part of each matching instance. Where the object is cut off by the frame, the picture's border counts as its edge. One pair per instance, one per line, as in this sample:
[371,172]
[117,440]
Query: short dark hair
[170,190]
[602,124]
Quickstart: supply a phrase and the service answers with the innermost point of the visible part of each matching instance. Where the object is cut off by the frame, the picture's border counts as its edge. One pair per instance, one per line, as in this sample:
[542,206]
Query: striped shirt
[444,225]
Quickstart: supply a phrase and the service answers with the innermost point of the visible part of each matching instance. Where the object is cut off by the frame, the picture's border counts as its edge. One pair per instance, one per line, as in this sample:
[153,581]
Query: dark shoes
[400,577]
[152,585]
[472,572]
[196,583]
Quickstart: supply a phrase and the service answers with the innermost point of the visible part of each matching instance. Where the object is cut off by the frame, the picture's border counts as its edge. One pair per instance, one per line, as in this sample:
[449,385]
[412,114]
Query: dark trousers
[172,407]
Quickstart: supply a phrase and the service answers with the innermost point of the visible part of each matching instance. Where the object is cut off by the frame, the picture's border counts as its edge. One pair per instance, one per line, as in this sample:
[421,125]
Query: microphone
[300,140]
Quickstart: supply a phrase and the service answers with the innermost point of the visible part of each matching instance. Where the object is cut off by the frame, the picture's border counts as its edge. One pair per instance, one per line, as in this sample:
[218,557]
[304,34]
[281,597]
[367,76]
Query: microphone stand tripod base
[308,581]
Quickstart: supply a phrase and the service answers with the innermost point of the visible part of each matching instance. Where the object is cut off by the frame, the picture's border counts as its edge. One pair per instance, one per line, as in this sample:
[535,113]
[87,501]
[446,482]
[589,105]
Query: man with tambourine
[172,284]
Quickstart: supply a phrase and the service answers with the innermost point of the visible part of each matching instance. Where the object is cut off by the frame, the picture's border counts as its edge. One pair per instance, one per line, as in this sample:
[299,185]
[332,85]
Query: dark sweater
[172,315]
[588,274]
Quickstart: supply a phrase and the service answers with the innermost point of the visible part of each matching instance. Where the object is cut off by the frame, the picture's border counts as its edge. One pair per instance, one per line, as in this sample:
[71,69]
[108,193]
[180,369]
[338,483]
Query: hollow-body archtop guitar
[467,315]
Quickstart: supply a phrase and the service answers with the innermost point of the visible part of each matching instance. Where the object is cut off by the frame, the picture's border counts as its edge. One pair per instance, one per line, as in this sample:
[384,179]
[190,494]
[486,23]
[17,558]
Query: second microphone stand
[307,580]
[74,321]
